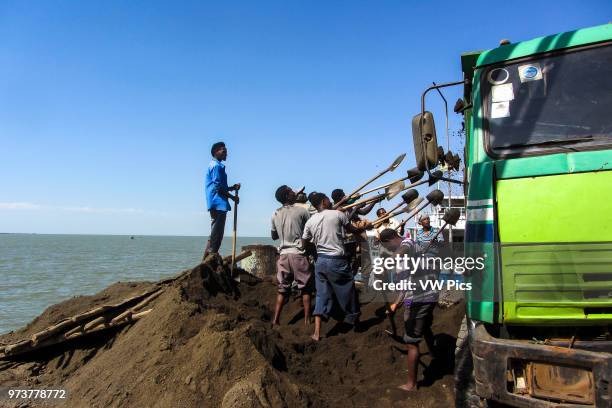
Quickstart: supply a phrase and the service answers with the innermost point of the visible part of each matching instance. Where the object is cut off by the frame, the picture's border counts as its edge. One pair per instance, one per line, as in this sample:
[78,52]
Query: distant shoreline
[124,235]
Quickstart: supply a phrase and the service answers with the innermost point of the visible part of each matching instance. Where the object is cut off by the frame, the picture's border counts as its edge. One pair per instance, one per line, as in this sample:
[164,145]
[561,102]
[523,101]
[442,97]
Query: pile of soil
[206,345]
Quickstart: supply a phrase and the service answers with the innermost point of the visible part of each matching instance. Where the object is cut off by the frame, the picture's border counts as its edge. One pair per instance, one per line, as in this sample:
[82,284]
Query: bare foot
[407,387]
[315,338]
[275,324]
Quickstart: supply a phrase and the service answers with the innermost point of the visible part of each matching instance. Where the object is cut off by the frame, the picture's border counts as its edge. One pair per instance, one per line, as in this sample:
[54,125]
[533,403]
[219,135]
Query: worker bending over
[418,304]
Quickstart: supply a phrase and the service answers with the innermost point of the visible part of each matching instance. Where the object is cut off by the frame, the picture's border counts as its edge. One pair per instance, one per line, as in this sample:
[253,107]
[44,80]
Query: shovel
[390,316]
[435,197]
[434,177]
[414,175]
[394,189]
[234,237]
[408,208]
[365,201]
[451,216]
[408,197]
[390,194]
[392,167]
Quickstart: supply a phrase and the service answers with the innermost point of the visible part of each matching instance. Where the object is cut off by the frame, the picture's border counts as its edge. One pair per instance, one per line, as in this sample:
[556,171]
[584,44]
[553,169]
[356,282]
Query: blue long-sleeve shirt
[216,182]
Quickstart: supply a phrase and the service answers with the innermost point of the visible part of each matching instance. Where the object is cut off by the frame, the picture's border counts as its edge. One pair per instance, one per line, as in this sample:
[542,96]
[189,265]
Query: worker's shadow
[363,326]
[442,362]
[299,316]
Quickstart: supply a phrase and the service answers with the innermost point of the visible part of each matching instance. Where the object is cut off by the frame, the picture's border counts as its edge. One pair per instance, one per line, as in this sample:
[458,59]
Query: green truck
[538,181]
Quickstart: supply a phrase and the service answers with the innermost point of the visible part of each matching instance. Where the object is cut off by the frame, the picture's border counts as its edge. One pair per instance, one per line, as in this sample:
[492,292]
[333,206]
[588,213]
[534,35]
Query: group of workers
[325,251]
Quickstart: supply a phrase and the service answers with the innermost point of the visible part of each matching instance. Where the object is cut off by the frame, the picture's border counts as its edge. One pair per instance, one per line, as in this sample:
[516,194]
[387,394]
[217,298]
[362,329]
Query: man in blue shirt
[217,196]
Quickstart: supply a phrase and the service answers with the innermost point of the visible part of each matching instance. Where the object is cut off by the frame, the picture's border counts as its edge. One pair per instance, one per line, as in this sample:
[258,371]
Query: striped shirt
[422,292]
[424,239]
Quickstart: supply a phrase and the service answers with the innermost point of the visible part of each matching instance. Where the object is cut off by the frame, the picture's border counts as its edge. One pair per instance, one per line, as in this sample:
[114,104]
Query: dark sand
[200,348]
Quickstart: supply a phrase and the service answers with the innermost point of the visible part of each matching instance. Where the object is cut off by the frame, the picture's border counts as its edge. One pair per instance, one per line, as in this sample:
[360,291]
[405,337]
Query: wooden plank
[52,330]
[104,326]
[245,254]
[16,347]
[52,334]
[140,305]
[26,346]
[76,319]
[75,330]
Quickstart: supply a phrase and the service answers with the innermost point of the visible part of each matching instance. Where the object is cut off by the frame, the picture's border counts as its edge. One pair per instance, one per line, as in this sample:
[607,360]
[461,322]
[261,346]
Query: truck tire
[465,389]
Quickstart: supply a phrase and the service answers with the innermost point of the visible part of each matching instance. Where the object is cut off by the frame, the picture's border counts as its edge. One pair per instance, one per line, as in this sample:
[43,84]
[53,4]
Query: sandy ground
[202,347]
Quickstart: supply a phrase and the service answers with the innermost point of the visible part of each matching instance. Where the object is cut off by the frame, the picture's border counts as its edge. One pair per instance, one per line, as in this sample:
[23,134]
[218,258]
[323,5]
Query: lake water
[37,271]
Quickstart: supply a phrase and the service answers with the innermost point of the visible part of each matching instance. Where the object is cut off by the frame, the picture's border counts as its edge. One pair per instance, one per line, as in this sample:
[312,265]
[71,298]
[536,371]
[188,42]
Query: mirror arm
[444,85]
[450,230]
[466,107]
[450,180]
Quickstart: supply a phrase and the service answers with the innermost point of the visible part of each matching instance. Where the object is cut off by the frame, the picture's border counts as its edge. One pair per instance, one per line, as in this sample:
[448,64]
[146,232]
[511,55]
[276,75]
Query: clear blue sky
[108,109]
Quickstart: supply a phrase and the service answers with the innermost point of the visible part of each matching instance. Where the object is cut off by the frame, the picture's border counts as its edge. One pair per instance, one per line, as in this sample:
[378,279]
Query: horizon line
[130,235]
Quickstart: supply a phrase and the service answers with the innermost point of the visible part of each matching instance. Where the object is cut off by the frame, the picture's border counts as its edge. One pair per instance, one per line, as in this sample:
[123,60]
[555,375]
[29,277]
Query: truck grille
[558,281]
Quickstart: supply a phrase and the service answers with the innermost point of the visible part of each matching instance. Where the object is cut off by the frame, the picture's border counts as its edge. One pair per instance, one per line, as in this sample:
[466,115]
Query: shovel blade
[451,216]
[435,197]
[415,174]
[414,204]
[397,162]
[410,195]
[435,177]
[394,189]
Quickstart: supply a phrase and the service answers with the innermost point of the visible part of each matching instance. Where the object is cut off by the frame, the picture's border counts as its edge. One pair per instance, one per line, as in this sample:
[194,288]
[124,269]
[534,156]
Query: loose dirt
[204,346]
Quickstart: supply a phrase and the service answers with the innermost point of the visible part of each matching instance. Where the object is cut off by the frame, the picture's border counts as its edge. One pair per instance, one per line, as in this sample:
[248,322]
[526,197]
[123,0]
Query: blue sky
[108,109]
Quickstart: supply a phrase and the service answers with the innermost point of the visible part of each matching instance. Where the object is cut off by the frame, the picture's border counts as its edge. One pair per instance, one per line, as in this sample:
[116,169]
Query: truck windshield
[555,103]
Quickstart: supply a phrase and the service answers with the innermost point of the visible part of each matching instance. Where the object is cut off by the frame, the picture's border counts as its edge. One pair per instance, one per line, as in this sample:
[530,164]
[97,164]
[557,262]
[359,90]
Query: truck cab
[538,173]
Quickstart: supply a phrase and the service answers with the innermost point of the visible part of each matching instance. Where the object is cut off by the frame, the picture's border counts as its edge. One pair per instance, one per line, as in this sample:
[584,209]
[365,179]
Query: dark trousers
[418,318]
[333,277]
[217,227]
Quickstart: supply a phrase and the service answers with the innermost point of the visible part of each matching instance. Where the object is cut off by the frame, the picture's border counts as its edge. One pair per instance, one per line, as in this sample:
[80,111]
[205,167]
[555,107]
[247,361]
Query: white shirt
[391,223]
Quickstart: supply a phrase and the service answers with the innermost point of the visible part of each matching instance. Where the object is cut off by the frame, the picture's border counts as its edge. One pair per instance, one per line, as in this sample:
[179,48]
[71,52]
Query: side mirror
[425,141]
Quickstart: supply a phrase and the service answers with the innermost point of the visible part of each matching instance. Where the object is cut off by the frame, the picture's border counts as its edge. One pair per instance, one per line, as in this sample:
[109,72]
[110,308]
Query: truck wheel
[465,389]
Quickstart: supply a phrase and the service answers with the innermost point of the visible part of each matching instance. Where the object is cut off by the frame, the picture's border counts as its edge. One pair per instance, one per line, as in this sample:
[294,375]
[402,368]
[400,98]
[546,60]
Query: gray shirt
[288,222]
[326,230]
[307,206]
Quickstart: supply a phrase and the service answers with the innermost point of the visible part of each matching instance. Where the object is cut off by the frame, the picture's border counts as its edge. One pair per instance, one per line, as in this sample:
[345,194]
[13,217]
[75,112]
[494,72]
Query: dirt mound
[206,344]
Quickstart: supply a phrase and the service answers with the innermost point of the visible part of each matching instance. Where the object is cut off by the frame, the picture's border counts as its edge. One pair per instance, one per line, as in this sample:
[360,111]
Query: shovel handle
[364,201]
[234,236]
[383,186]
[434,237]
[392,167]
[414,212]
[390,214]
[346,197]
